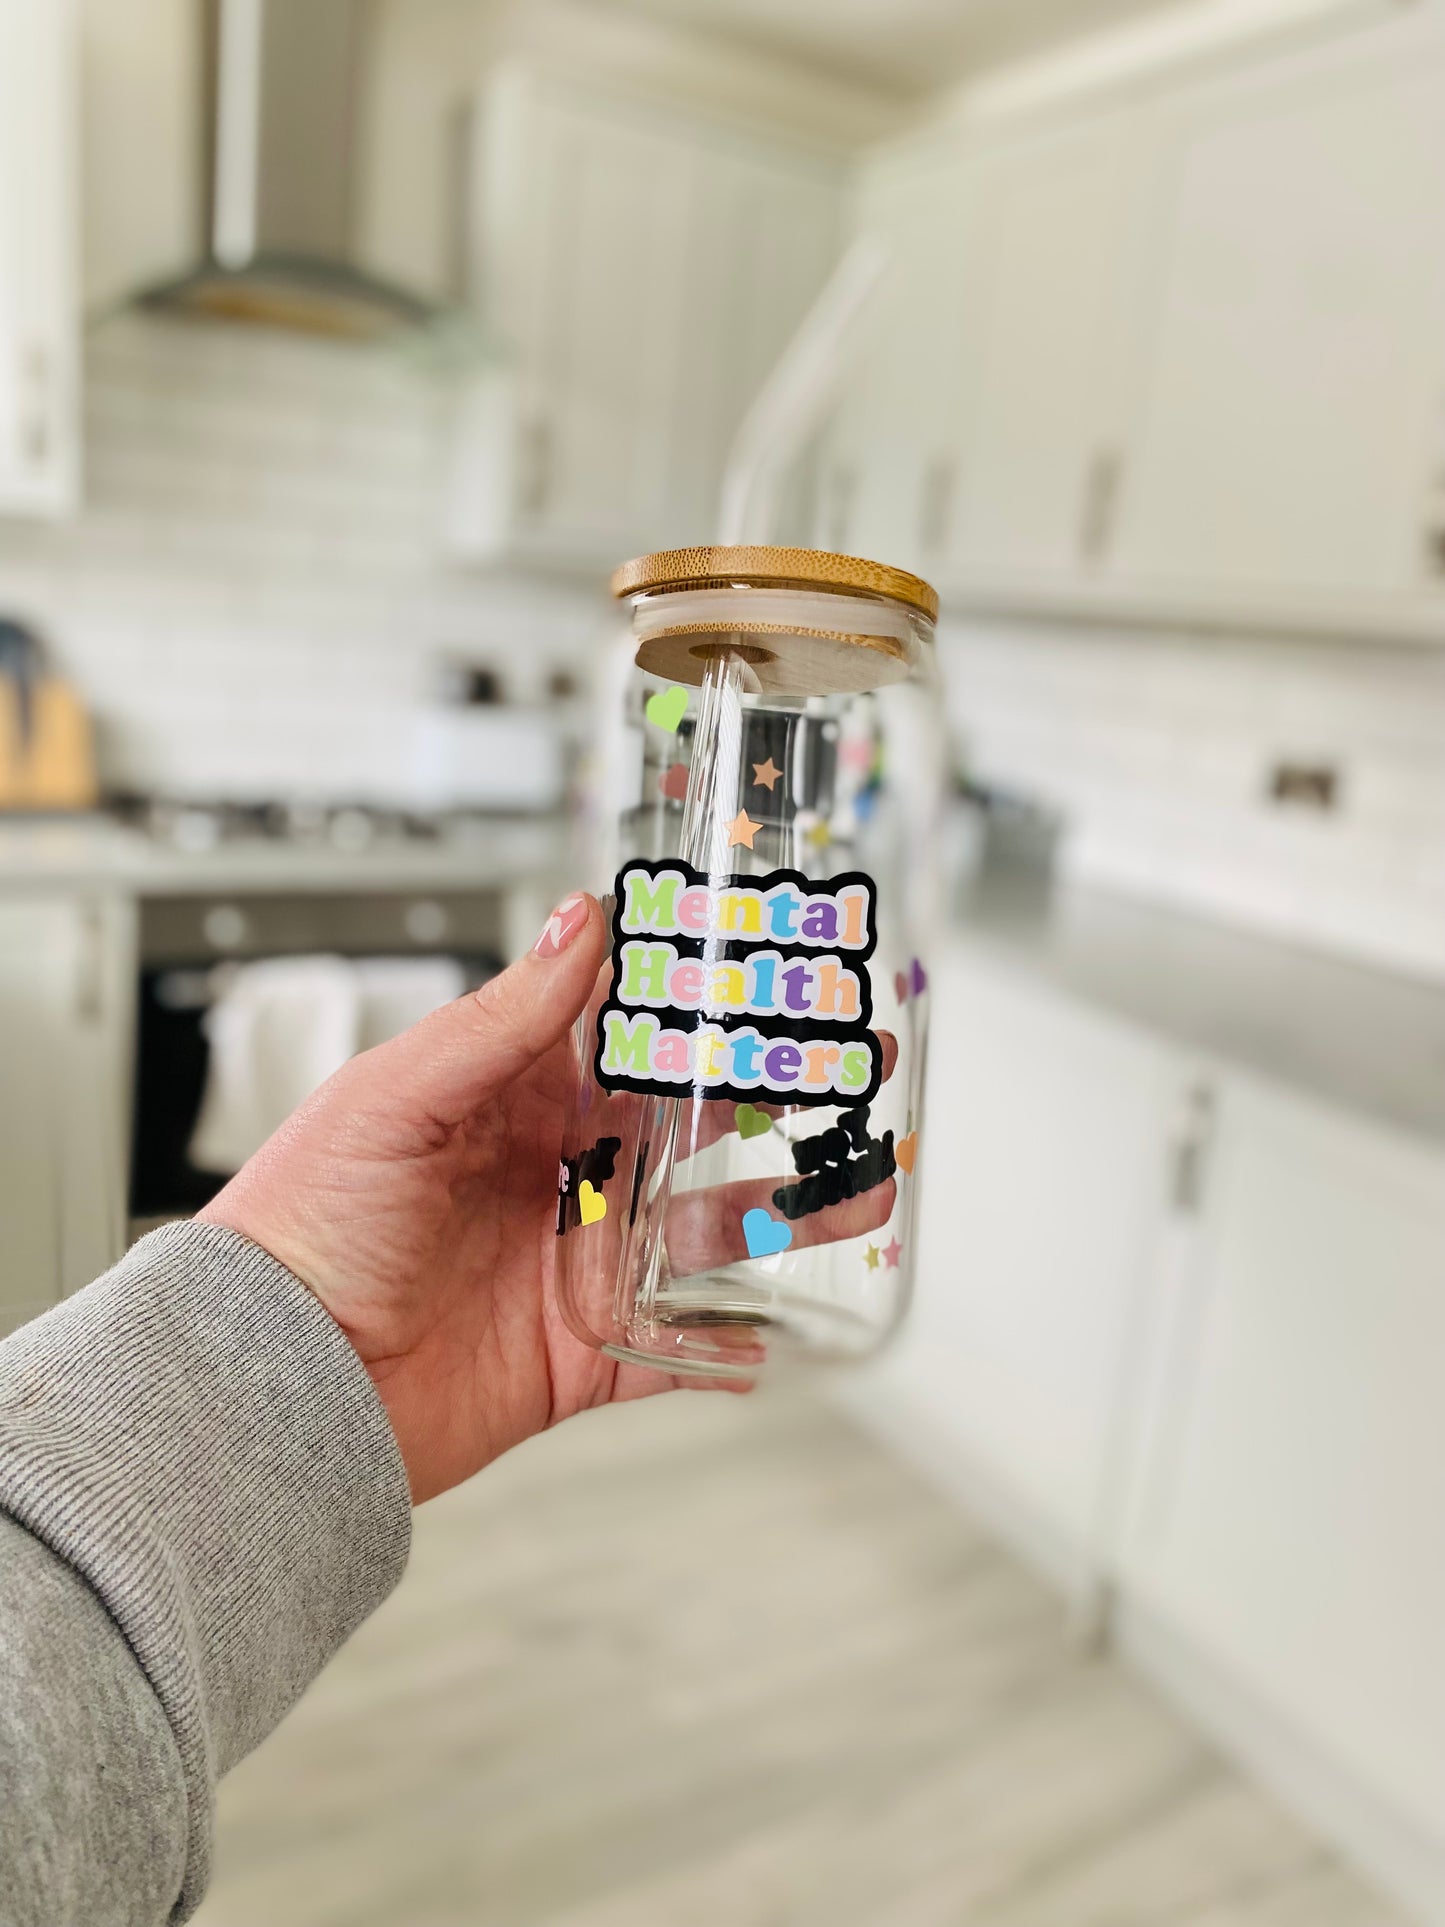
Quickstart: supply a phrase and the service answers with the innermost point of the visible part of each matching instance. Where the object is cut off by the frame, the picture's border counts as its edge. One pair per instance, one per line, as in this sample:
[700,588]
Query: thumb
[443,1067]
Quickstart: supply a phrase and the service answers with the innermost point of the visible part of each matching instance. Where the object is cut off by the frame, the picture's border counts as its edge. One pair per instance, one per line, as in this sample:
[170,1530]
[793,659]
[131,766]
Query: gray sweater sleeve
[200,1499]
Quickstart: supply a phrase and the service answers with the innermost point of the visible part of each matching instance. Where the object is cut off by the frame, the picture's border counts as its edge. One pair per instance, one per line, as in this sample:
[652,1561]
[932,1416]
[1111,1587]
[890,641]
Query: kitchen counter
[96,853]
[1356,1037]
[1360,1038]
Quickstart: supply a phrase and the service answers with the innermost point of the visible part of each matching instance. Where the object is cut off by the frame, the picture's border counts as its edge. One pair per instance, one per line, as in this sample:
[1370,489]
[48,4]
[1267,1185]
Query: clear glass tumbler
[739,1173]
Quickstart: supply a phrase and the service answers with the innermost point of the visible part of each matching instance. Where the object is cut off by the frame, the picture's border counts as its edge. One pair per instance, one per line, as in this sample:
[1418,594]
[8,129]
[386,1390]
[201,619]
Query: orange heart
[906,1151]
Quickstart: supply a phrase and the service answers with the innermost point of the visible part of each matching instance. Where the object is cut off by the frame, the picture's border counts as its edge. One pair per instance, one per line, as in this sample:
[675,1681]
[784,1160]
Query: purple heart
[920,979]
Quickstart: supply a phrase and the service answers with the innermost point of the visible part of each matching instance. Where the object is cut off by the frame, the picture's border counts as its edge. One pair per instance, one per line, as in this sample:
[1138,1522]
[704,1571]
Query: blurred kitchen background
[345,345]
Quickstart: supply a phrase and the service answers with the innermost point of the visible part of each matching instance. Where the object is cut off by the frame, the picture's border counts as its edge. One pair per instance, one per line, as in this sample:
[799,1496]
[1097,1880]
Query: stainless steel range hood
[282,99]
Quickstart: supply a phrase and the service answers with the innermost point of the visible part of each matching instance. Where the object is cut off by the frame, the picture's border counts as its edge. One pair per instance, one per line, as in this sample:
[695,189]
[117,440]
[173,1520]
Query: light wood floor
[712,1662]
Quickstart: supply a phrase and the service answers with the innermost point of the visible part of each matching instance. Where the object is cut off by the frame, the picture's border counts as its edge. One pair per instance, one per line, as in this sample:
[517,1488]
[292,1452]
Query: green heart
[666,708]
[750,1121]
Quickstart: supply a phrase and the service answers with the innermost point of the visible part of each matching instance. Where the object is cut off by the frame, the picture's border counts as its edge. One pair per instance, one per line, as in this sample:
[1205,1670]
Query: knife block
[52,766]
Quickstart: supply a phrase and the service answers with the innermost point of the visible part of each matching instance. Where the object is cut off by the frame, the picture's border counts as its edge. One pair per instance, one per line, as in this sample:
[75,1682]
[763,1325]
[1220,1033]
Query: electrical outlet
[1305,786]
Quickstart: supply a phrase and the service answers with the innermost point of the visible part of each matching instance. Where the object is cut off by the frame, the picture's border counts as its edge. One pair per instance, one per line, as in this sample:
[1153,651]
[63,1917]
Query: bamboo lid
[675,569]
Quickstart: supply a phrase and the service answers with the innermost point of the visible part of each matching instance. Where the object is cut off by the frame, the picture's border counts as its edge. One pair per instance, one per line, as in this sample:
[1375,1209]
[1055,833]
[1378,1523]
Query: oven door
[185,941]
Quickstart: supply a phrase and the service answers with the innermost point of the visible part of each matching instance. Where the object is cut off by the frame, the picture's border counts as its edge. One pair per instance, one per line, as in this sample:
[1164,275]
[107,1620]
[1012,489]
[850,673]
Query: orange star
[766,775]
[741,831]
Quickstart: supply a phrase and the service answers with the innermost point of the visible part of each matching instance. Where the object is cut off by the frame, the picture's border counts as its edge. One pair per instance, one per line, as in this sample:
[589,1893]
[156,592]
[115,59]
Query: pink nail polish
[561,927]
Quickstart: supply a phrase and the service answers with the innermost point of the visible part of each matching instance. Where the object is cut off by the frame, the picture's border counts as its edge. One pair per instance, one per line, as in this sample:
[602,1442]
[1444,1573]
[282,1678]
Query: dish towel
[397,992]
[276,1030]
[279,1028]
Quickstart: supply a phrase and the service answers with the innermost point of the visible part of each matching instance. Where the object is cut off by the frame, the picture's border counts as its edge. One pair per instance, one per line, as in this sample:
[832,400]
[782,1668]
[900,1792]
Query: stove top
[196,826]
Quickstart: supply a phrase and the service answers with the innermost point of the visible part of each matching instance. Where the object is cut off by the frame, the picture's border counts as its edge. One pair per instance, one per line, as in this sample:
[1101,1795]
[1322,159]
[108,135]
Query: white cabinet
[641,268]
[981,439]
[890,469]
[1290,391]
[1042,1170]
[1180,1335]
[1052,282]
[1290,1518]
[1175,357]
[67,987]
[39,249]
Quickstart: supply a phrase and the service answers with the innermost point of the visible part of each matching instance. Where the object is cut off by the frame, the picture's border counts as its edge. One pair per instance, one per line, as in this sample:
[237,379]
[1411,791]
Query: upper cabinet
[890,473]
[1178,356]
[1292,373]
[39,246]
[1042,427]
[640,268]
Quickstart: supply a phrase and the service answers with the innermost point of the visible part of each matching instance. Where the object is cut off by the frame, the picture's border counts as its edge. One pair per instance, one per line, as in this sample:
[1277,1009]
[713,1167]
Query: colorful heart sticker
[751,1122]
[667,708]
[673,782]
[906,1150]
[593,1204]
[911,982]
[765,1234]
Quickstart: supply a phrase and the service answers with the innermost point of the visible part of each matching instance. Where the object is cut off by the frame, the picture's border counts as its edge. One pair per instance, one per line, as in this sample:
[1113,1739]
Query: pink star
[892,1252]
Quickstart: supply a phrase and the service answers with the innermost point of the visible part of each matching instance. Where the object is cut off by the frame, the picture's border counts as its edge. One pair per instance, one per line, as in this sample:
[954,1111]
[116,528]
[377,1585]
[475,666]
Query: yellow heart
[592,1202]
[907,1151]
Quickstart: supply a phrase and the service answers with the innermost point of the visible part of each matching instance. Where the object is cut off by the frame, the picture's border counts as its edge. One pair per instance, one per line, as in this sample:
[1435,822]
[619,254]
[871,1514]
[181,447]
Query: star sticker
[741,831]
[892,1252]
[870,1257]
[766,775]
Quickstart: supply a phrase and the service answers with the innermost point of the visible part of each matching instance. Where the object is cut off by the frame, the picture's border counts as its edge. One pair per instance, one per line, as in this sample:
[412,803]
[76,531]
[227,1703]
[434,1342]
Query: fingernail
[561,927]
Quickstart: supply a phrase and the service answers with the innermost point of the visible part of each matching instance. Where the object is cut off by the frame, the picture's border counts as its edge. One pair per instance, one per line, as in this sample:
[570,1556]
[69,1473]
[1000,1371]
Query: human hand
[416,1195]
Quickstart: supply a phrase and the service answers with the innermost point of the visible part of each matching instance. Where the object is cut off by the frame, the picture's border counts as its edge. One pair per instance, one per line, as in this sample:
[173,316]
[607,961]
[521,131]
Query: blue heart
[765,1234]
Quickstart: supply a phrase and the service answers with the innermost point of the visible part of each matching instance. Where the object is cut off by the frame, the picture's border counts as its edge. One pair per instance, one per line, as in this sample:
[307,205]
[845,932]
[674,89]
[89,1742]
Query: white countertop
[95,853]
[1359,1038]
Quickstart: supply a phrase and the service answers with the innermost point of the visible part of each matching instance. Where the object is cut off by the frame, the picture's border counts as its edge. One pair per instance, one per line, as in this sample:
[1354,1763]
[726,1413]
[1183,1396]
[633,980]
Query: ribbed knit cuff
[196,1436]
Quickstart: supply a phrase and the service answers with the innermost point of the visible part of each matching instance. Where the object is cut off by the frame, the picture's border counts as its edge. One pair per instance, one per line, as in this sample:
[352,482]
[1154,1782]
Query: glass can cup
[739,1179]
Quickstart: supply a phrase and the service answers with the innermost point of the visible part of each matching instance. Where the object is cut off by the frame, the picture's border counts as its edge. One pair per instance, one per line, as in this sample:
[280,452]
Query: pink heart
[900,985]
[674,783]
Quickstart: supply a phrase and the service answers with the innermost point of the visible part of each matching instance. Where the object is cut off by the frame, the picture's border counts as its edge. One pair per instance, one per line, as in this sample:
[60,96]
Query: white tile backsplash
[1159,747]
[254,601]
[253,597]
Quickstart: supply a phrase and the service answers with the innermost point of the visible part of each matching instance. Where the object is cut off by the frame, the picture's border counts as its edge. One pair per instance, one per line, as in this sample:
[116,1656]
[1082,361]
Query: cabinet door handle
[90,967]
[936,510]
[35,441]
[842,487]
[35,407]
[1100,504]
[536,489]
[1190,1152]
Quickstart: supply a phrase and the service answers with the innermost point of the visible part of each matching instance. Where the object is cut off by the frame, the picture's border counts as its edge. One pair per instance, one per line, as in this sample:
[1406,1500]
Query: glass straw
[713,800]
